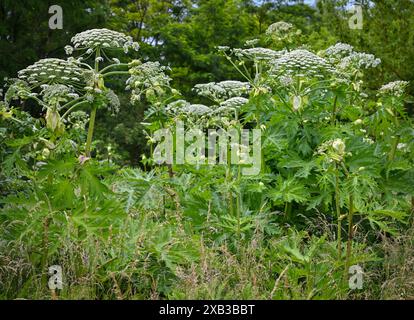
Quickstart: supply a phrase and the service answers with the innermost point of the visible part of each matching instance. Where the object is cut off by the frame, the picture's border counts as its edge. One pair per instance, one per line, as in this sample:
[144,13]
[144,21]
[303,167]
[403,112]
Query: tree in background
[388,33]
[25,36]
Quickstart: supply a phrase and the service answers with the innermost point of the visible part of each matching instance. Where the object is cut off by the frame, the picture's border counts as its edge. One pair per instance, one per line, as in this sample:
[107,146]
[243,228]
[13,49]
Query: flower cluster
[56,94]
[339,51]
[113,102]
[333,149]
[182,107]
[403,147]
[221,91]
[301,62]
[176,106]
[359,60]
[19,89]
[52,71]
[78,119]
[252,42]
[395,88]
[101,38]
[257,53]
[149,77]
[231,105]
[349,63]
[196,109]
[280,30]
[286,80]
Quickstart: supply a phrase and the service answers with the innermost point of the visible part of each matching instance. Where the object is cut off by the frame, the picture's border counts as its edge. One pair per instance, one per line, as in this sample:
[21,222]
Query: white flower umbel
[210,90]
[258,54]
[52,71]
[301,62]
[234,103]
[339,50]
[56,94]
[102,39]
[78,119]
[231,105]
[359,60]
[182,107]
[196,110]
[221,91]
[147,76]
[395,88]
[176,106]
[235,88]
[113,101]
[280,30]
[286,80]
[252,42]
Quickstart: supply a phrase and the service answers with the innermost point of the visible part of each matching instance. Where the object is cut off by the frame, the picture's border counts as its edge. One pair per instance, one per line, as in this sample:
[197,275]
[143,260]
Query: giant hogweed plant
[333,146]
[330,147]
[64,86]
[65,196]
[330,144]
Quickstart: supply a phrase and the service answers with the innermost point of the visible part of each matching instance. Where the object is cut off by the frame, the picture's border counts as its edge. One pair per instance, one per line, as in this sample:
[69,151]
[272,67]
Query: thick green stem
[333,117]
[412,208]
[90,131]
[288,210]
[45,253]
[93,112]
[338,212]
[350,233]
[394,149]
[228,180]
[391,156]
[238,204]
